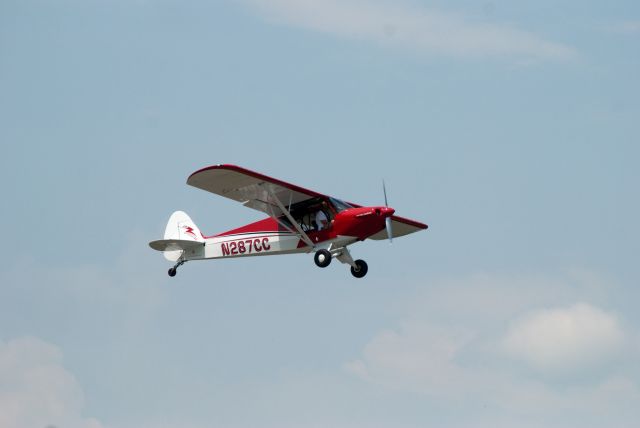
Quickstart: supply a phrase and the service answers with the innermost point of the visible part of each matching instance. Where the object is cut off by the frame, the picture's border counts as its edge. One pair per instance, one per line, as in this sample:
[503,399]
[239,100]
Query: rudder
[181,235]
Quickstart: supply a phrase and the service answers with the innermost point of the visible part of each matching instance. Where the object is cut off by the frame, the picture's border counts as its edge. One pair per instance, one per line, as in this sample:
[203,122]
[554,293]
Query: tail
[180,235]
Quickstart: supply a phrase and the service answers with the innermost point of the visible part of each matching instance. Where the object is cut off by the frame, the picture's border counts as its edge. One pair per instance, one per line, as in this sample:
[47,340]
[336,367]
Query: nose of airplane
[383,211]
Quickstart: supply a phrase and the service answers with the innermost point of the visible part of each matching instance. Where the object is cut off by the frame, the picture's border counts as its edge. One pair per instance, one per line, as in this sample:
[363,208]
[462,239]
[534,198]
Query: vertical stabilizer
[181,227]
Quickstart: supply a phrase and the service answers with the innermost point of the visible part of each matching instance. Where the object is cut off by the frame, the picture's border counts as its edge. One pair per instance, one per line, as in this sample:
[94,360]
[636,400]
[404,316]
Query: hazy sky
[511,128]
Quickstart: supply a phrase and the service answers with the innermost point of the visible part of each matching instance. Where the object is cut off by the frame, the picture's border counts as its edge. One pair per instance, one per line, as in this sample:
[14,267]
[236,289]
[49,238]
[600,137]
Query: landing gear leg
[174,270]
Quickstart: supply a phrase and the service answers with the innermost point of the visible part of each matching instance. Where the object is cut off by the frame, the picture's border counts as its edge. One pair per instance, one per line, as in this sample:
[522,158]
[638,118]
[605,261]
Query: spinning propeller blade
[387,221]
[384,189]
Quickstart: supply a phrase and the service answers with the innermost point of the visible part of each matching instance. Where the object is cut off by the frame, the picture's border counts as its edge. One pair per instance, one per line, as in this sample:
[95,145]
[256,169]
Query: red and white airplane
[300,221]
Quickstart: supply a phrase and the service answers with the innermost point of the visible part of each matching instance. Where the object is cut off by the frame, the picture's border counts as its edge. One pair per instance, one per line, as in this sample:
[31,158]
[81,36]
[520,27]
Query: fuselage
[271,236]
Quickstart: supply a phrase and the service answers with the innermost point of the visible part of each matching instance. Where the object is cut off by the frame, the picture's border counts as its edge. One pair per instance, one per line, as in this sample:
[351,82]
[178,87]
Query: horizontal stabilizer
[174,244]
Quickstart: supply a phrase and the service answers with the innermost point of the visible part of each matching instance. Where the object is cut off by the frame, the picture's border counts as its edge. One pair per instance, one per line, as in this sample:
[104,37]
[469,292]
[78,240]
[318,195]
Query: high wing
[250,188]
[271,196]
[257,191]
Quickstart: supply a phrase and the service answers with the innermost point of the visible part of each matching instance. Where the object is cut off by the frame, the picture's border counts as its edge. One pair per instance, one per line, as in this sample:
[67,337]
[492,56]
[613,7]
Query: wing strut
[280,222]
[295,224]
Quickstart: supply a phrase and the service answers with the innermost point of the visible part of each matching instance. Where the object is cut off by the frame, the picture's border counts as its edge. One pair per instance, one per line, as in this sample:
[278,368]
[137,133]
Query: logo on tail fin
[189,231]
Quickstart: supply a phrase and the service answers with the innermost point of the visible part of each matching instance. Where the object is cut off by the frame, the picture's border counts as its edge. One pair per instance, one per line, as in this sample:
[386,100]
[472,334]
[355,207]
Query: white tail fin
[181,227]
[181,234]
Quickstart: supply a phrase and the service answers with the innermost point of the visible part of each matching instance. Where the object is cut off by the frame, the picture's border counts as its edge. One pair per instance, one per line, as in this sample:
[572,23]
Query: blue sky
[511,128]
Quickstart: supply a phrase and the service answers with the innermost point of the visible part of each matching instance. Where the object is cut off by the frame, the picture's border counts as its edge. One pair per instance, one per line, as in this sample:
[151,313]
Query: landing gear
[174,270]
[322,258]
[360,269]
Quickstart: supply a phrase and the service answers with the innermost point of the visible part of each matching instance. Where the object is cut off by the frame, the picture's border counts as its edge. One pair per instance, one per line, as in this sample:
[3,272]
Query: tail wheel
[360,269]
[322,258]
[172,272]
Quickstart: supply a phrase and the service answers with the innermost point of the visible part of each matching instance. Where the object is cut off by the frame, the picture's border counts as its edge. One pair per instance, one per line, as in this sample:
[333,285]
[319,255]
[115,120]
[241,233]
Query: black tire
[322,258]
[361,269]
[172,272]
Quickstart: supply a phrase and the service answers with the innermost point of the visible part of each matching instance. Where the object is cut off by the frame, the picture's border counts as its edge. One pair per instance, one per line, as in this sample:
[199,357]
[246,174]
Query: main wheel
[360,270]
[172,272]
[322,258]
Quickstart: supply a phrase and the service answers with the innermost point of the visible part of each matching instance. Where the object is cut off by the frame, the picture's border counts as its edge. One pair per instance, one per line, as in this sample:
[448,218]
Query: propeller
[387,221]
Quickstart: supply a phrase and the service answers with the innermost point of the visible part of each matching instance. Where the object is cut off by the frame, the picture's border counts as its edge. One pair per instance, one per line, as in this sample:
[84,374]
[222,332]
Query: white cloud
[565,339]
[117,302]
[417,356]
[451,343]
[400,25]
[36,390]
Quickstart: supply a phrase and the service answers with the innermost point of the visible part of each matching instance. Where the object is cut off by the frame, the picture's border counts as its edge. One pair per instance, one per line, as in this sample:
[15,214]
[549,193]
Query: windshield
[340,205]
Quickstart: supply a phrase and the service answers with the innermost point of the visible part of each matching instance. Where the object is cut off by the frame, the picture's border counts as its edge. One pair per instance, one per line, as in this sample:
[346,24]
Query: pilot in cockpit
[322,222]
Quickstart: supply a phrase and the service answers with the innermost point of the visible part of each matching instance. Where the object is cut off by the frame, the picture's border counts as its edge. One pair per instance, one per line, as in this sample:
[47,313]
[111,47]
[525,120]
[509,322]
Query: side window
[304,223]
[308,222]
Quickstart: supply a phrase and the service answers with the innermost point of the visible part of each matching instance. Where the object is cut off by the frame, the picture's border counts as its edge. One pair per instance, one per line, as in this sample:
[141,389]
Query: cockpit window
[340,205]
[305,213]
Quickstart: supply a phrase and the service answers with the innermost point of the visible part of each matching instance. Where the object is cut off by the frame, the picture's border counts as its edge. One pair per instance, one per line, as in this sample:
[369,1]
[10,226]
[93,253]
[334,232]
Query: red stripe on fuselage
[266,225]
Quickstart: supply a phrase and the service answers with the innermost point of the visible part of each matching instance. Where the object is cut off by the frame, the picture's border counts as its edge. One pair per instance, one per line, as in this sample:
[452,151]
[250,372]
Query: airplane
[300,221]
